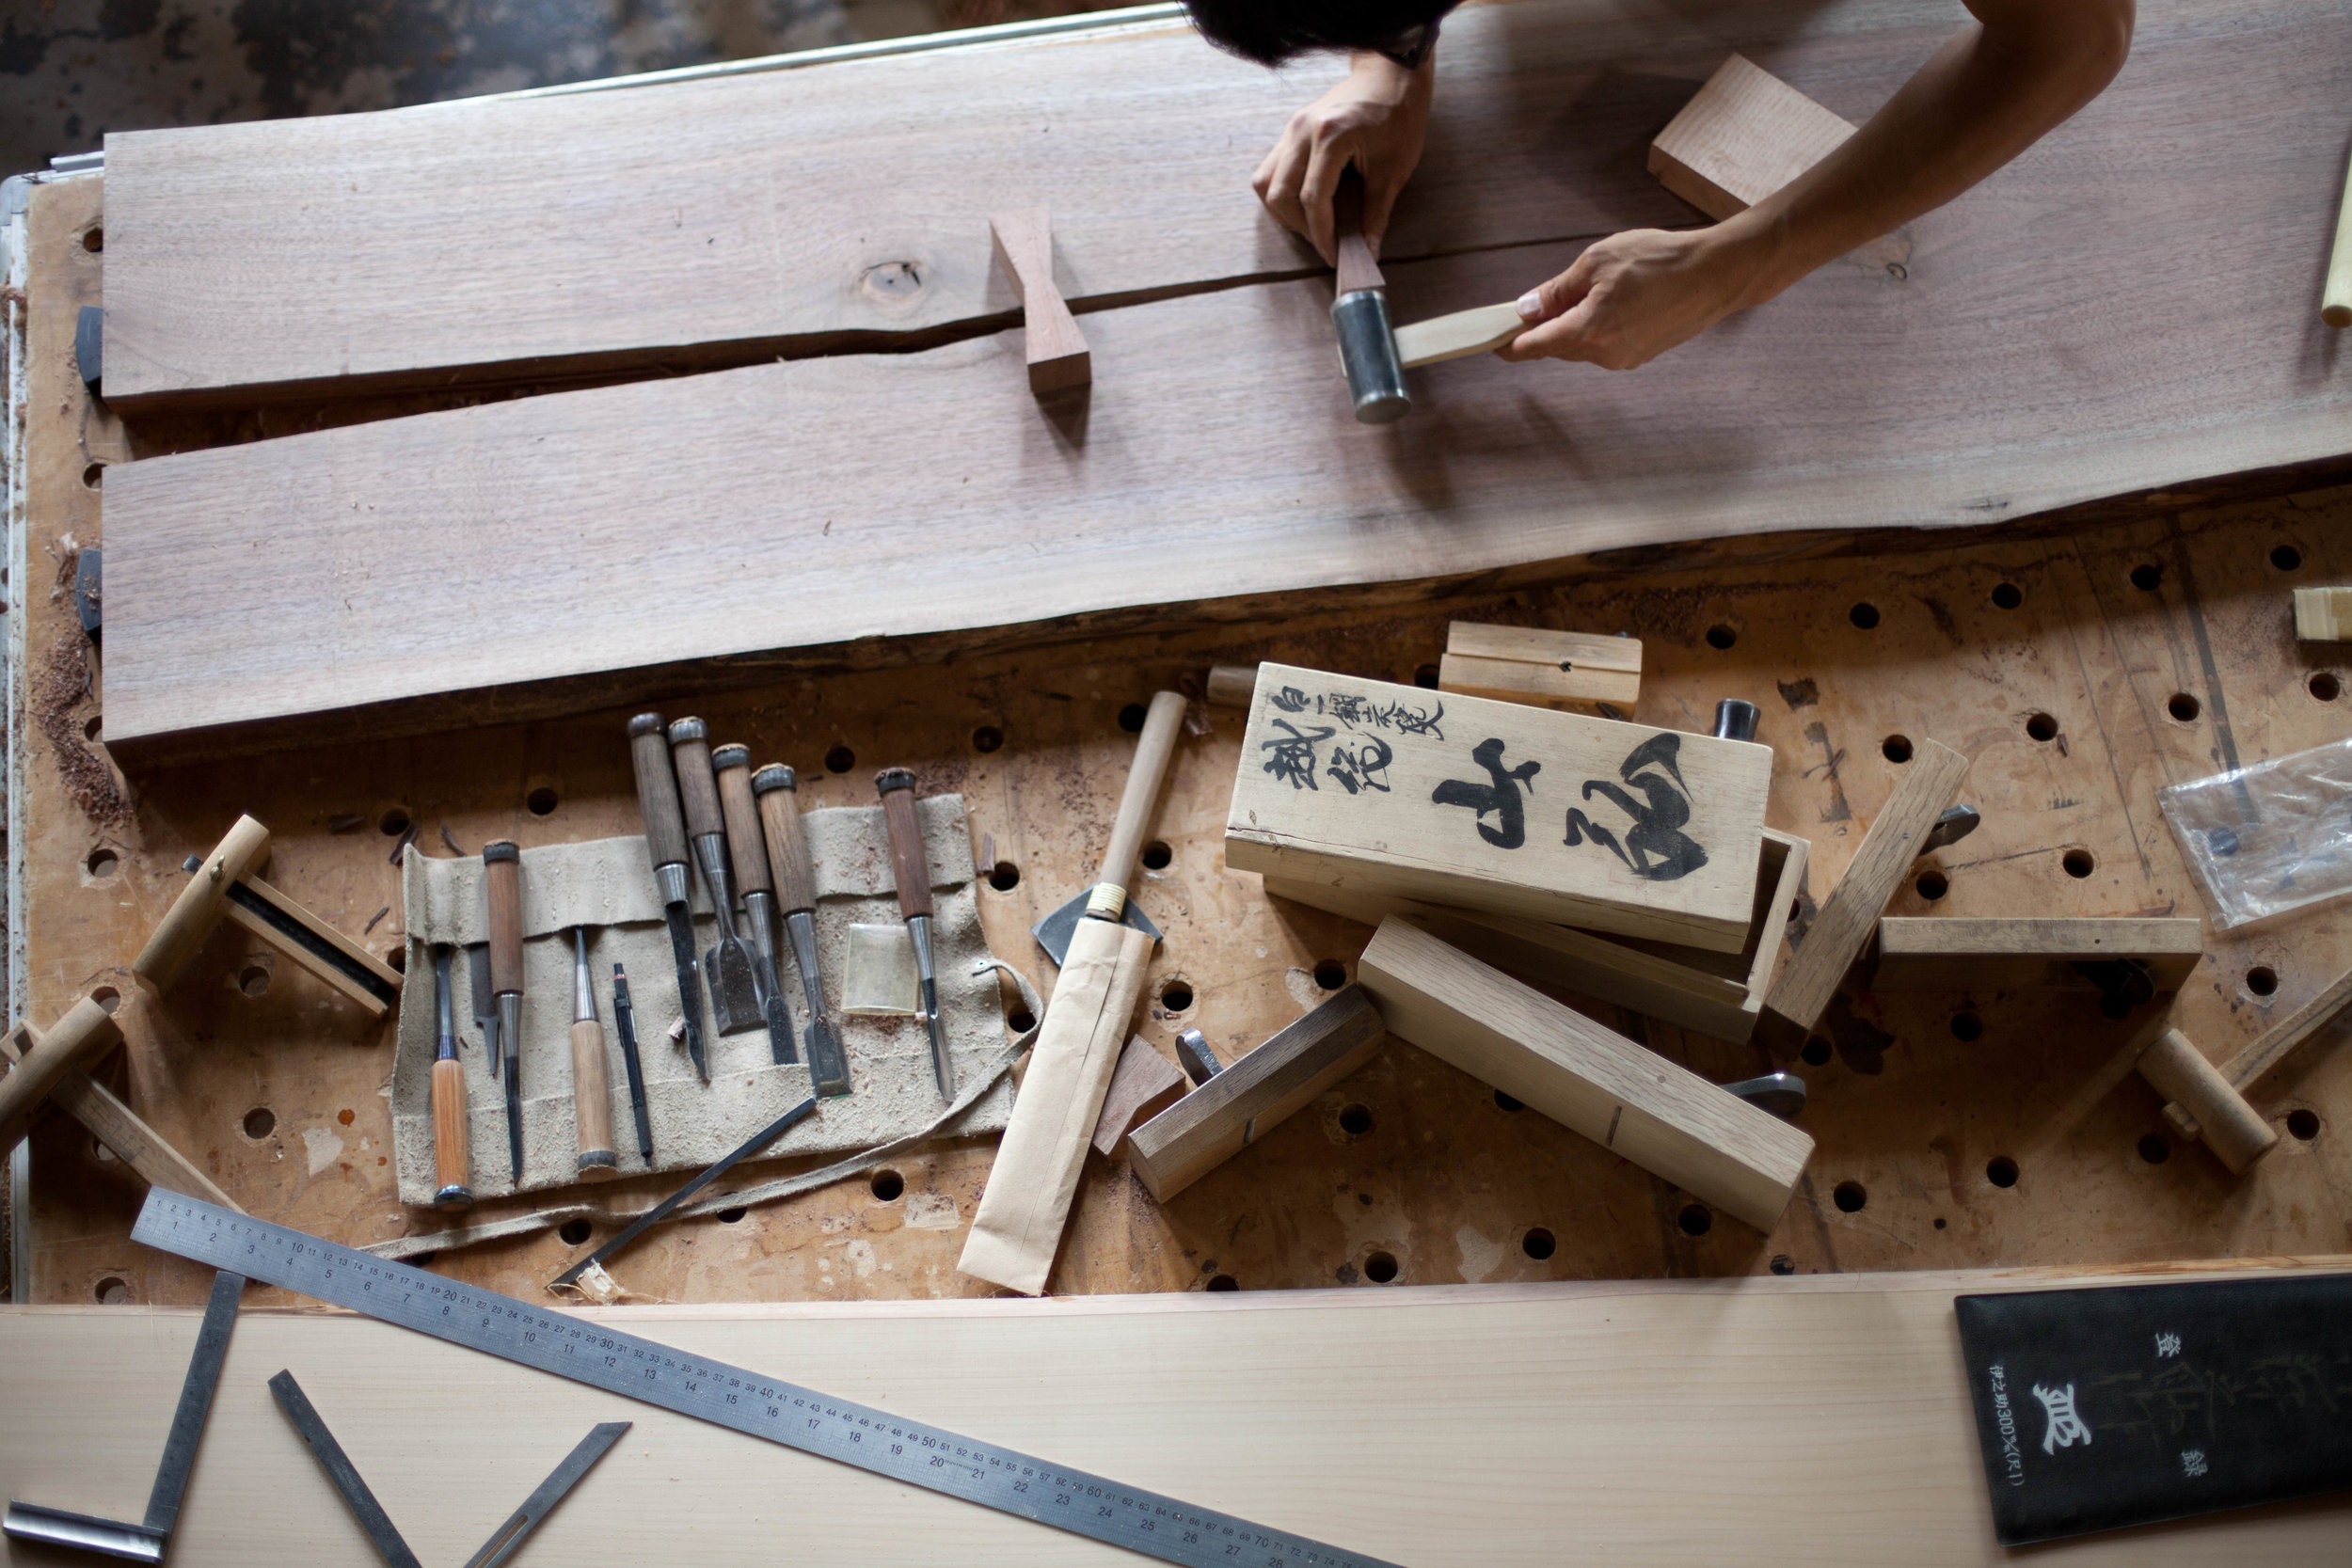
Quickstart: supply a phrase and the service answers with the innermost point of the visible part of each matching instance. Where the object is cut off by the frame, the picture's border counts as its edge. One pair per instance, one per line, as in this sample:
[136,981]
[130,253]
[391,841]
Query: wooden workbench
[1953,1131]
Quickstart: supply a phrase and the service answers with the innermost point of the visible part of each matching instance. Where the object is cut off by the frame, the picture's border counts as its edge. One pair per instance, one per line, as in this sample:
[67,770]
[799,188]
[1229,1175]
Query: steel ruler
[984,1473]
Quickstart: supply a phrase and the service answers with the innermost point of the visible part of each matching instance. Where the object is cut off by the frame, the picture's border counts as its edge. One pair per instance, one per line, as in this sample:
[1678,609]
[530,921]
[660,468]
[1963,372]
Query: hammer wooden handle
[657,790]
[1154,748]
[2234,1130]
[697,789]
[778,790]
[502,889]
[910,866]
[85,1031]
[733,767]
[197,909]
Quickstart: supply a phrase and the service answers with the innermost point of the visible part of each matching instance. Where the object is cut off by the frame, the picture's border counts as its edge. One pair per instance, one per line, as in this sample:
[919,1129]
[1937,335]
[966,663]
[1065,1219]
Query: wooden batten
[1914,953]
[1366,785]
[1743,136]
[1574,671]
[1671,1123]
[1714,993]
[2322,614]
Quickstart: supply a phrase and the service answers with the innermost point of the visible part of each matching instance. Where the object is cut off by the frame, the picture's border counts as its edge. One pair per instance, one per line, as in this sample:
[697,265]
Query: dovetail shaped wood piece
[1744,136]
[1058,358]
[1142,1086]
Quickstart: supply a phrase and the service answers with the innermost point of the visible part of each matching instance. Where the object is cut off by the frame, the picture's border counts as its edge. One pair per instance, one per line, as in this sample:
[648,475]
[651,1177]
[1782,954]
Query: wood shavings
[59,687]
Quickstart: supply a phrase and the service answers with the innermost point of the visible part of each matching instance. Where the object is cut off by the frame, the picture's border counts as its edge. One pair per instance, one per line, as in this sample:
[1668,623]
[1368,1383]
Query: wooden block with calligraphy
[1366,785]
[1572,670]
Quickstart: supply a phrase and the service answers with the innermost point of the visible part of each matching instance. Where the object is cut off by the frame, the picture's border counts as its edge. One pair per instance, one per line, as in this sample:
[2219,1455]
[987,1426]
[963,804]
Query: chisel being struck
[665,846]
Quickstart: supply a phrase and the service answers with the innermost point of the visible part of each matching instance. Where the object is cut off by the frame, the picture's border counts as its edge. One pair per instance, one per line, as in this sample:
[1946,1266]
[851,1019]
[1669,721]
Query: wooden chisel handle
[453,1180]
[502,889]
[1153,748]
[697,789]
[733,766]
[909,866]
[592,1102]
[778,792]
[85,1031]
[657,790]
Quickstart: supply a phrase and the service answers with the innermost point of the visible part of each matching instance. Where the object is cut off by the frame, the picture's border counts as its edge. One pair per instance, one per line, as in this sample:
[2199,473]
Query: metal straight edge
[508,1538]
[196,1402]
[1127,19]
[341,1473]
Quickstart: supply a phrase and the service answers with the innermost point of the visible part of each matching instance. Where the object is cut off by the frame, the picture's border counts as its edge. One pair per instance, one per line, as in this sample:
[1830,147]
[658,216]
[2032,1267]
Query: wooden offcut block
[1714,993]
[1369,786]
[1946,954]
[1058,354]
[1745,135]
[1572,670]
[1671,1123]
[2322,614]
[1143,1085]
[1254,1094]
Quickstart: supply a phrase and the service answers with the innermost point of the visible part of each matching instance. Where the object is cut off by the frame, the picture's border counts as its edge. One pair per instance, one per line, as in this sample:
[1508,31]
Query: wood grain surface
[270,1084]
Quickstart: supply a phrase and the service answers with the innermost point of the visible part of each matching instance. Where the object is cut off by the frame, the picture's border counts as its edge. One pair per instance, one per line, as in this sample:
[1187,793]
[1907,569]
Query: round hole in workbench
[1131,718]
[1021,1021]
[1695,1220]
[1380,1268]
[102,863]
[1222,1282]
[887,1185]
[112,1291]
[2001,1171]
[396,960]
[2286,558]
[572,1233]
[2183,707]
[1175,996]
[419,1259]
[1933,885]
[1330,974]
[988,737]
[253,979]
[2078,864]
[2303,1123]
[1849,1196]
[840,760]
[2154,1150]
[259,1122]
[1504,1102]
[1816,1052]
[91,727]
[1003,876]
[2262,980]
[2147,576]
[540,802]
[1355,1120]
[1426,675]
[1156,856]
[2114,1005]
[1720,635]
[1896,748]
[1967,1027]
[393,823]
[2007,596]
[1783,1264]
[94,477]
[107,998]
[1539,1244]
[94,238]
[2041,727]
[732,1216]
[2325,686]
[1864,615]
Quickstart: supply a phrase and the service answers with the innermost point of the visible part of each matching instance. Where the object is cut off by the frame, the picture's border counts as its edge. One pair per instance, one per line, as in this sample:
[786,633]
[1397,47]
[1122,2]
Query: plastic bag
[2269,838]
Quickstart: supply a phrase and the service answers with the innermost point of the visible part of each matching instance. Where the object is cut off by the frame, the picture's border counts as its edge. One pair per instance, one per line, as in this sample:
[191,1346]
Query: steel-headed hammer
[1360,313]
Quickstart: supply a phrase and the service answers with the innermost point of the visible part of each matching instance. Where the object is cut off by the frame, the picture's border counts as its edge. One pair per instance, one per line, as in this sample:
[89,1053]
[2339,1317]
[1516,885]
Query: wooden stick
[1256,1094]
[339,978]
[1154,748]
[1057,352]
[1142,1086]
[192,916]
[1230,685]
[2233,1129]
[1672,1123]
[85,1031]
[1800,993]
[114,1124]
[1945,953]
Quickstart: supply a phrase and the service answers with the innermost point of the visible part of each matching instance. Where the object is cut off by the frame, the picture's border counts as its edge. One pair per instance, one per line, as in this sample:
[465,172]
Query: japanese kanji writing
[1292,755]
[1654,847]
[1364,765]
[1359,713]
[1501,797]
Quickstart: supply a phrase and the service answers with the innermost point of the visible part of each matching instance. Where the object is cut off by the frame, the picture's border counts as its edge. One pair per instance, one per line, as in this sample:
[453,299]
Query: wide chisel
[777,791]
[734,992]
[502,888]
[911,868]
[665,846]
[747,847]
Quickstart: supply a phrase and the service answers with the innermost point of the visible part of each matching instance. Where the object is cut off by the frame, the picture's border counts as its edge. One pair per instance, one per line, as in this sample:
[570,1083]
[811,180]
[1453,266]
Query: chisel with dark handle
[665,846]
[747,847]
[502,889]
[733,993]
[592,1083]
[777,790]
[910,867]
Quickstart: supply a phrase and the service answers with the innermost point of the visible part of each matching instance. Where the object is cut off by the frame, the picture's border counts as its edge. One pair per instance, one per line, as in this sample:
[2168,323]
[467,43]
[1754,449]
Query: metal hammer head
[1376,375]
[1956,823]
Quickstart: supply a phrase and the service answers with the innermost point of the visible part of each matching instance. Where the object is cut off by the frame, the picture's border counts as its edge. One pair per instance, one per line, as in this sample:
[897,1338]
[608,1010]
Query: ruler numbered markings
[786,1413]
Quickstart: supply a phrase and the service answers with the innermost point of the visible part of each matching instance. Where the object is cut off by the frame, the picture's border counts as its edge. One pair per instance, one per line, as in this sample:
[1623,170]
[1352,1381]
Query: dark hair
[1274,31]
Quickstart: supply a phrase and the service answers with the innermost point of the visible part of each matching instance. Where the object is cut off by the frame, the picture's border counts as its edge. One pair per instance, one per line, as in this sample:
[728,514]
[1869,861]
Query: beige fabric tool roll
[1018,1227]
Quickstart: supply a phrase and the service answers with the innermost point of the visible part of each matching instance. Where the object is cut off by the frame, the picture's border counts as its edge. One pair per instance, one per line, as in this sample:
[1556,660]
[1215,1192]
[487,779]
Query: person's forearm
[1982,99]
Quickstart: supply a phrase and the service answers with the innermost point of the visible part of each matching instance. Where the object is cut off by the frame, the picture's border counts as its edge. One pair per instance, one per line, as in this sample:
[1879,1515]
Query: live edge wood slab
[1679,1423]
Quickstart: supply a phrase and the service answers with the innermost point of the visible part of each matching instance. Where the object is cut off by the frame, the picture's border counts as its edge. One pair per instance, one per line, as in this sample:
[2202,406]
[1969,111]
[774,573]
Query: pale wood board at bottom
[1759,1421]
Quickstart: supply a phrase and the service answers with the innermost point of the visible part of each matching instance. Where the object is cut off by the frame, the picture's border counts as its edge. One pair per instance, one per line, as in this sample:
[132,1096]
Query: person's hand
[1375,120]
[1632,296]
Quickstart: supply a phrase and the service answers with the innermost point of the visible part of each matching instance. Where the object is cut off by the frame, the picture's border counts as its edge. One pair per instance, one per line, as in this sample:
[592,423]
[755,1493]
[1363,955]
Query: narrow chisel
[665,846]
[485,1001]
[747,847]
[733,993]
[502,887]
[452,1190]
[778,793]
[911,868]
[625,1019]
[592,1085]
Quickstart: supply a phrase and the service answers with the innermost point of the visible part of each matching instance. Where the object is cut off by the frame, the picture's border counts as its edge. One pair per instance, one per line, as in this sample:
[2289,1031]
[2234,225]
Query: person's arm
[1376,119]
[1981,101]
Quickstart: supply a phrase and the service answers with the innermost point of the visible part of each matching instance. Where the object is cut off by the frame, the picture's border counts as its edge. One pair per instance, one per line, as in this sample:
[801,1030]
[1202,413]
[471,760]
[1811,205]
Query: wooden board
[1374,785]
[1216,433]
[1742,137]
[1676,1423]
[1583,1075]
[1914,953]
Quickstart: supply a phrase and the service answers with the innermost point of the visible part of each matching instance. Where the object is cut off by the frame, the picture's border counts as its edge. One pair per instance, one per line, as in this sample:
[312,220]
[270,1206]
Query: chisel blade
[734,992]
[681,925]
[828,1064]
[943,1069]
[514,1123]
[486,1001]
